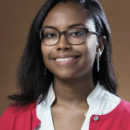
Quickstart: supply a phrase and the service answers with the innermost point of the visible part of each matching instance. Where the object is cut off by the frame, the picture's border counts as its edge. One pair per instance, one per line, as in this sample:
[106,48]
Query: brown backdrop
[15,20]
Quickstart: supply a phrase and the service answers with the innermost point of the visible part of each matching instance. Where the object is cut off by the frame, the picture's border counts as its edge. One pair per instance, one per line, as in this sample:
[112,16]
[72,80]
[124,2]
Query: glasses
[75,36]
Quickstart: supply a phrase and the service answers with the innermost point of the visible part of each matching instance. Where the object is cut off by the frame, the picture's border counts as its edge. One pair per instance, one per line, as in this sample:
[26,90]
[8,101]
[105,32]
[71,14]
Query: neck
[74,91]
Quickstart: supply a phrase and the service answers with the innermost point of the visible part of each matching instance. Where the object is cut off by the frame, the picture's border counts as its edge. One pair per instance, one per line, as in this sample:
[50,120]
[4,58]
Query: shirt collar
[97,94]
[49,98]
[92,98]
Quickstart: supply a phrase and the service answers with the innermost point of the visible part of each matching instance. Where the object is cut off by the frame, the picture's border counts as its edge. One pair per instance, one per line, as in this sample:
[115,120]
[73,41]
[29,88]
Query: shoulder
[14,115]
[123,109]
[125,105]
[18,110]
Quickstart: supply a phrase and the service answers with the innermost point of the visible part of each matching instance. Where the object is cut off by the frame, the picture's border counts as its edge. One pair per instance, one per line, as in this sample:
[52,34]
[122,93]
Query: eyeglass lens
[51,36]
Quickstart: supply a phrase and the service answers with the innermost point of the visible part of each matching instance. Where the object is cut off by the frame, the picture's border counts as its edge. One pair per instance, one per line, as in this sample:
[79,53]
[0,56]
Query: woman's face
[79,59]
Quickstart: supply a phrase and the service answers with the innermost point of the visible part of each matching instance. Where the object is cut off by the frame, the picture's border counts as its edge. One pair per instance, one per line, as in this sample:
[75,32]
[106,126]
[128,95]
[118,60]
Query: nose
[63,44]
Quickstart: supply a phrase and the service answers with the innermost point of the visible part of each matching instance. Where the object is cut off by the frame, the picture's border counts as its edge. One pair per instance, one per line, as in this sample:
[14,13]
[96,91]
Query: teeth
[64,59]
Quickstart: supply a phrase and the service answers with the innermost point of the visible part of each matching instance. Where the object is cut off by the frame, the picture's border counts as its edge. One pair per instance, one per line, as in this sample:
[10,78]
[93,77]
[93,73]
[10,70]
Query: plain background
[16,17]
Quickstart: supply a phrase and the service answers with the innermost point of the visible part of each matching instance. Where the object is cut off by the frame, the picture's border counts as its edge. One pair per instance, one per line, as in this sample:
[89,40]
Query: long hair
[31,79]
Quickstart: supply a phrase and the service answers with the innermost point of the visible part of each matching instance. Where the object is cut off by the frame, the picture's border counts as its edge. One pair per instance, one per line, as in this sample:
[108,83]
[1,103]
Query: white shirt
[99,100]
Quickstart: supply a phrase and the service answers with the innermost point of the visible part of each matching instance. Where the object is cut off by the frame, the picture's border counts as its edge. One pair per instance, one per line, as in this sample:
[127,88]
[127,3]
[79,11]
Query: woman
[66,76]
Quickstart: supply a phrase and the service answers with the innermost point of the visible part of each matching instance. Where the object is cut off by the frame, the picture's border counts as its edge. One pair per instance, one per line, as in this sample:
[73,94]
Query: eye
[50,35]
[78,33]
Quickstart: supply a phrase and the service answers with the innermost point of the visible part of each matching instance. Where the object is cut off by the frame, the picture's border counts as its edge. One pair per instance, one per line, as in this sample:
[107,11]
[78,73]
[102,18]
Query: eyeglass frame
[64,33]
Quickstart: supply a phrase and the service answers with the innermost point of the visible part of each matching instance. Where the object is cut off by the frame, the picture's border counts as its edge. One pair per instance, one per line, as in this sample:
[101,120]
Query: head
[31,76]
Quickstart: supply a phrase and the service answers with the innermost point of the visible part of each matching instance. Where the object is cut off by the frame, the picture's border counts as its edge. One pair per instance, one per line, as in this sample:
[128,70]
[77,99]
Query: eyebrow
[77,24]
[70,26]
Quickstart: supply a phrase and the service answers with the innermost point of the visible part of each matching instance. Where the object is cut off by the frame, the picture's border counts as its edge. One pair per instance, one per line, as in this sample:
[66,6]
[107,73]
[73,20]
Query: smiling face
[64,60]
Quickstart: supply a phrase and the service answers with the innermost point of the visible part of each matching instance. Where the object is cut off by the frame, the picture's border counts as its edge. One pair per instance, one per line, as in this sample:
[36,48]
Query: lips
[65,60]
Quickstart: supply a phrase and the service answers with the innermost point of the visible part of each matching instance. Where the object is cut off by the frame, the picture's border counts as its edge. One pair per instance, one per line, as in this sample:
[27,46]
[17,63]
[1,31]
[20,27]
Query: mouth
[63,61]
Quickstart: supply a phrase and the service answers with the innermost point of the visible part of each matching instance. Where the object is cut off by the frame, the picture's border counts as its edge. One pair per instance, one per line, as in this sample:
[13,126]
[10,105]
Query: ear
[101,44]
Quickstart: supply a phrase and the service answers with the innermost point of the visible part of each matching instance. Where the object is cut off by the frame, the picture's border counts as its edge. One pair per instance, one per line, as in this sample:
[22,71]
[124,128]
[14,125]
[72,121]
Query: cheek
[91,50]
[45,54]
[91,45]
[89,53]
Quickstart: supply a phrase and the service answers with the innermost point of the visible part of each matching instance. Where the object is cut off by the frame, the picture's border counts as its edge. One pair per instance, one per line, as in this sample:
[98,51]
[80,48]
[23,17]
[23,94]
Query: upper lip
[65,56]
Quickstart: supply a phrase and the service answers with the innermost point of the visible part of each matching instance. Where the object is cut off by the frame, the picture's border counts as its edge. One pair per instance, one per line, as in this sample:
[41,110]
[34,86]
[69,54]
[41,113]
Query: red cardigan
[25,118]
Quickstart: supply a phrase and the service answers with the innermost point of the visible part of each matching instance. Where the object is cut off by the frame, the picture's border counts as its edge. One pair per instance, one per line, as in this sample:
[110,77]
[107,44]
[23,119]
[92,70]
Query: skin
[73,82]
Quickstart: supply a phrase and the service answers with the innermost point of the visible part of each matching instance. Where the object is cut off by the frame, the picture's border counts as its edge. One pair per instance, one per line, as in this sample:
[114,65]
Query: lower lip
[64,63]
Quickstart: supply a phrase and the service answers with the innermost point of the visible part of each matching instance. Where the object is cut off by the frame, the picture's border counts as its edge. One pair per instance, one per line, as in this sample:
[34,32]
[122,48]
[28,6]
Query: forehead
[64,14]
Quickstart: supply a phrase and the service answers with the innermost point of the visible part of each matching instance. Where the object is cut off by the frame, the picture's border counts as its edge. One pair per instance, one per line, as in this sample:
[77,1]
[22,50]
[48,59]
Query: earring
[98,60]
[45,71]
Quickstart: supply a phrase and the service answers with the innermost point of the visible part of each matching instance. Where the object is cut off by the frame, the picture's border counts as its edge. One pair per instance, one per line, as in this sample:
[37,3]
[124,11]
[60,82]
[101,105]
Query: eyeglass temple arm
[94,33]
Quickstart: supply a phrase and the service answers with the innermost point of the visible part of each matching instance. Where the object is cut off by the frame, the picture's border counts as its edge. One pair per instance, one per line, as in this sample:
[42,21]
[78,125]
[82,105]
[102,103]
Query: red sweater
[25,118]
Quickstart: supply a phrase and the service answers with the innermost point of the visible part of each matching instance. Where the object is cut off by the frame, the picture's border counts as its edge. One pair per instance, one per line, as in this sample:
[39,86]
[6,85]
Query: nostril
[58,49]
[63,48]
[61,45]
[66,48]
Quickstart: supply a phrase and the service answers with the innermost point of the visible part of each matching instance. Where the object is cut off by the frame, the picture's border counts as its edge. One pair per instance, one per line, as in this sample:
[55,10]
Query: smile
[66,60]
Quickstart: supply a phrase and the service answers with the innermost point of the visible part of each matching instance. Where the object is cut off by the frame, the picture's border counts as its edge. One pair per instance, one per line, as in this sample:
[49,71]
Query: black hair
[31,78]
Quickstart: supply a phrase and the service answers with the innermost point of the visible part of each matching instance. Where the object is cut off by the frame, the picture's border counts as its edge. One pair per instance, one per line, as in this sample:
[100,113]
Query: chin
[68,76]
